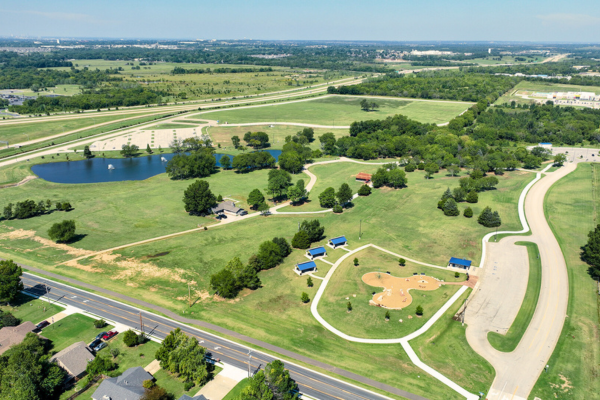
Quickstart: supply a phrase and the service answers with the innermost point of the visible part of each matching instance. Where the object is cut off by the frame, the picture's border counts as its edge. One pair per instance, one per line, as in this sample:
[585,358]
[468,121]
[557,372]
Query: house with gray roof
[13,335]
[74,359]
[228,207]
[186,397]
[128,386]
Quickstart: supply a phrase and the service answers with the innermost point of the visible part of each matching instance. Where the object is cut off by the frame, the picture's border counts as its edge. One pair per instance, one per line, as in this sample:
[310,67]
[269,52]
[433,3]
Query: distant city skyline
[351,20]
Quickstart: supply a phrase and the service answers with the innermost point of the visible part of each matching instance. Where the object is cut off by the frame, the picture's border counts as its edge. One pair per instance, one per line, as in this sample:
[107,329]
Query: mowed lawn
[71,329]
[28,308]
[341,110]
[571,208]
[366,321]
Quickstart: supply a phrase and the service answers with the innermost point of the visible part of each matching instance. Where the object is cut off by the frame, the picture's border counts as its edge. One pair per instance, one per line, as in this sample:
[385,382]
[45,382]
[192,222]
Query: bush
[327,198]
[410,167]
[402,262]
[355,262]
[364,190]
[468,212]
[456,274]
[62,231]
[100,365]
[472,197]
[99,323]
[187,386]
[130,338]
[301,240]
[421,166]
[419,310]
[149,384]
[304,297]
[349,306]
[489,219]
[441,204]
[450,208]
[338,209]
[309,282]
[387,315]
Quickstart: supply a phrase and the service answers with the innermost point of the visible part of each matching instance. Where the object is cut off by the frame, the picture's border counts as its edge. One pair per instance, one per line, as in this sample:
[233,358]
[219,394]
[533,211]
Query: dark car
[100,335]
[95,343]
[42,325]
[109,335]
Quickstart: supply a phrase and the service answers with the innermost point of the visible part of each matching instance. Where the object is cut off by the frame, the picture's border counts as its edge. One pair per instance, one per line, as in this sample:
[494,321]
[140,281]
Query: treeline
[29,208]
[450,85]
[247,162]
[197,164]
[181,71]
[112,96]
[34,78]
[36,60]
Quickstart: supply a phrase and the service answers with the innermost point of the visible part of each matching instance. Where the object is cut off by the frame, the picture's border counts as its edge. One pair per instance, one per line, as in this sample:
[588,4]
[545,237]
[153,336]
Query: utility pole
[360,230]
[249,358]
[47,296]
[189,296]
[141,323]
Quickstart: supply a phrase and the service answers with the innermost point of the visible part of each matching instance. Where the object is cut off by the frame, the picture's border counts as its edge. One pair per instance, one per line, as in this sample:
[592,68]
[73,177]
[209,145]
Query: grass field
[341,111]
[71,329]
[172,125]
[138,356]
[236,392]
[27,308]
[444,348]
[509,342]
[63,90]
[505,60]
[571,208]
[366,321]
[529,86]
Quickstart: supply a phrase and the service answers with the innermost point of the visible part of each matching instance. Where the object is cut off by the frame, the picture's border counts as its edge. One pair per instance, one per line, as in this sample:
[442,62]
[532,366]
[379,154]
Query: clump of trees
[295,154]
[182,355]
[489,219]
[297,193]
[278,182]
[257,140]
[310,232]
[197,164]
[129,150]
[389,175]
[247,162]
[29,208]
[367,105]
[272,383]
[590,252]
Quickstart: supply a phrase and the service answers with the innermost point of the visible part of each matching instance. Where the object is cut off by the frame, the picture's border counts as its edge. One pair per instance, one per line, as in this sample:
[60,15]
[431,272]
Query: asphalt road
[311,383]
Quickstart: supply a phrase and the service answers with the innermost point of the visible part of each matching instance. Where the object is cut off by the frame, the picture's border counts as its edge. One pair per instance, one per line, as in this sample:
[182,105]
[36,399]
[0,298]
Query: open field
[27,308]
[528,86]
[71,329]
[367,321]
[509,342]
[172,125]
[444,348]
[571,208]
[341,110]
[506,60]
[62,90]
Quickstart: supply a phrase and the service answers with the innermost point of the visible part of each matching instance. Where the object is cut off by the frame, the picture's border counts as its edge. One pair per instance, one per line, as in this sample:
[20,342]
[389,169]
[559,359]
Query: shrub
[450,208]
[62,231]
[309,282]
[364,190]
[304,297]
[468,212]
[441,204]
[130,338]
[402,262]
[338,209]
[472,197]
[387,315]
[489,219]
[349,306]
[187,386]
[456,274]
[115,352]
[410,167]
[301,240]
[99,323]
[419,310]
[421,166]
[149,384]
[355,262]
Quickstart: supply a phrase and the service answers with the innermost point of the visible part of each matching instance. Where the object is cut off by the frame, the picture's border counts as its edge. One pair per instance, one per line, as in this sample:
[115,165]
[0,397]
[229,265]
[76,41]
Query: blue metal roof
[338,240]
[317,250]
[545,143]
[460,261]
[306,265]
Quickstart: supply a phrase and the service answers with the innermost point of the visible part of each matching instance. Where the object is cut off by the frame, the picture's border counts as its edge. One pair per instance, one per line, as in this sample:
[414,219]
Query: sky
[391,20]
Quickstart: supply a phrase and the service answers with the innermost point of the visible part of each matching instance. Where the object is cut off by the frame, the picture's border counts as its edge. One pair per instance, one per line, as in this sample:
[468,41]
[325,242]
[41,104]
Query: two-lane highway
[311,383]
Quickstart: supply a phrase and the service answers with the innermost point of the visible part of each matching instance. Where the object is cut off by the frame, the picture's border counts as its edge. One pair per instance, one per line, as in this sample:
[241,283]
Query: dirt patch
[130,267]
[132,284]
[87,268]
[30,234]
[396,290]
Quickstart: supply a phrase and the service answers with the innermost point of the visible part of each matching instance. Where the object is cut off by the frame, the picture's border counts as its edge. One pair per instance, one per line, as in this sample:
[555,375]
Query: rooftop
[12,335]
[226,206]
[128,386]
[306,265]
[460,261]
[363,176]
[317,250]
[74,359]
[338,240]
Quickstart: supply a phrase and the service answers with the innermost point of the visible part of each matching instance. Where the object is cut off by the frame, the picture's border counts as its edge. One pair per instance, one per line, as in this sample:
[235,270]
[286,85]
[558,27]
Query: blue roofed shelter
[459,263]
[338,241]
[316,252]
[305,267]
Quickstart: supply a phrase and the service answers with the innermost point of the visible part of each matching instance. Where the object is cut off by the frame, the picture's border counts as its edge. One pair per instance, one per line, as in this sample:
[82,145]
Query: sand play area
[395,293]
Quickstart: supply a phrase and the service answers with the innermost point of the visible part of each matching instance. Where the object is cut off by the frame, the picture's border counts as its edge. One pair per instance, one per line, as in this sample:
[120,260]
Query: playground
[396,294]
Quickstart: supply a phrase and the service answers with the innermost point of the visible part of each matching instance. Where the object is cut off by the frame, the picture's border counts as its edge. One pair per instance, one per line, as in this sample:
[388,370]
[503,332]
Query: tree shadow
[77,238]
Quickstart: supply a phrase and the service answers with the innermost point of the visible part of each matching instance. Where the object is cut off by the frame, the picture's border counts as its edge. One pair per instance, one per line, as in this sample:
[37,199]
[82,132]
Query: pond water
[96,170]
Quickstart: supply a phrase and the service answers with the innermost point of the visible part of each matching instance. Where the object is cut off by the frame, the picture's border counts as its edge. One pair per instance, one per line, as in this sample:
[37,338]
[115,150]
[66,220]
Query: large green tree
[198,199]
[255,198]
[62,231]
[344,194]
[591,252]
[327,198]
[225,284]
[10,280]
[279,180]
[269,254]
[313,228]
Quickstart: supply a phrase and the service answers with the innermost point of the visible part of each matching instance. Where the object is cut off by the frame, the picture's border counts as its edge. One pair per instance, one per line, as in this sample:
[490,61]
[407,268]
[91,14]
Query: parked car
[42,325]
[109,335]
[95,343]
[100,346]
[100,335]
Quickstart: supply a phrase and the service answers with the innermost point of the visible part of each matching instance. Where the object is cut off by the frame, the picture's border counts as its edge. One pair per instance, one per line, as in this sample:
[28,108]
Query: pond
[97,170]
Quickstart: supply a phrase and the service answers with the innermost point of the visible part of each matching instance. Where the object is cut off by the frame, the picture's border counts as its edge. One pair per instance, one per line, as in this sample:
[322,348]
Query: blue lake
[96,169]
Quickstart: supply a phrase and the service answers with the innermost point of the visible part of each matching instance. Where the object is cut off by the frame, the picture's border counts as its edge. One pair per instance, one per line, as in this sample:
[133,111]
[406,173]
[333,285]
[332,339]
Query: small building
[128,386]
[337,242]
[228,207]
[305,267]
[74,359]
[545,145]
[316,252]
[363,177]
[13,335]
[459,263]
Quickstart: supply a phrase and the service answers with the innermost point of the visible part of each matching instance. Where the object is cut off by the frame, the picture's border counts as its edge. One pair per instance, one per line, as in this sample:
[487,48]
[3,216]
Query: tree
[454,170]
[148,149]
[236,267]
[129,150]
[279,381]
[364,190]
[387,315]
[472,197]
[431,169]
[590,252]
[355,261]
[447,194]
[458,194]
[294,193]
[396,178]
[468,212]
[198,199]
[155,393]
[344,194]
[255,198]
[373,106]
[62,231]
[86,152]
[379,178]
[130,338]
[488,218]
[308,133]
[8,211]
[327,198]
[327,142]
[304,297]
[402,262]
[225,162]
[364,105]
[100,365]
[269,254]
[263,208]
[291,161]
[560,159]
[348,306]
[450,208]
[224,284]
[419,310]
[301,240]
[219,199]
[309,282]
[257,388]
[279,180]
[284,247]
[410,167]
[183,355]
[236,141]
[337,209]
[313,228]
[532,162]
[257,140]
[10,280]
